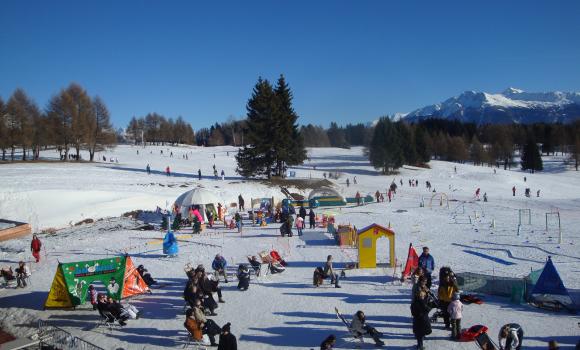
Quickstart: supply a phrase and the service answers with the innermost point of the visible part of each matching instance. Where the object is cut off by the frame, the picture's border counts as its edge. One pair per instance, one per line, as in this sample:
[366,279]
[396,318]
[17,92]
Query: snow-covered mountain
[510,106]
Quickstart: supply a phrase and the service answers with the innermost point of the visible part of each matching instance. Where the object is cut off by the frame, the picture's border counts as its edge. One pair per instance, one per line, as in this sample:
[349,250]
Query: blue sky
[346,61]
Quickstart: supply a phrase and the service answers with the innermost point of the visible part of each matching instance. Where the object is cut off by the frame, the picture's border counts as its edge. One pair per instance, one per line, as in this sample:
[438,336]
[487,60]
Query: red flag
[412,263]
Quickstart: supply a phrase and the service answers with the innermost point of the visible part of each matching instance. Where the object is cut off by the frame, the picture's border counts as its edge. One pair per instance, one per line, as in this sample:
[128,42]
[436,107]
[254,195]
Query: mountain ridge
[510,106]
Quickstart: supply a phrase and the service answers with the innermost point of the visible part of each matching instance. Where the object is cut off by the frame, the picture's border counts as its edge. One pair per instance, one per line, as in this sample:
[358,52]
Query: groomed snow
[285,311]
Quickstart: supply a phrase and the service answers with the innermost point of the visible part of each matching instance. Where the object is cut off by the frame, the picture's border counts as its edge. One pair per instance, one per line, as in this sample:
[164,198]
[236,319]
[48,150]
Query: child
[299,225]
[455,310]
[93,296]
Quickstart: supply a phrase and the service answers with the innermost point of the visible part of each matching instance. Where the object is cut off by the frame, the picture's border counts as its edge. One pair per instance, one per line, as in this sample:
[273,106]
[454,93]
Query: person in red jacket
[35,246]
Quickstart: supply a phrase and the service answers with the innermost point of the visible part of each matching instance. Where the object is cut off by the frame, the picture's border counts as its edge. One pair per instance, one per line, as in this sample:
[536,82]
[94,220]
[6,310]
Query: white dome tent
[199,196]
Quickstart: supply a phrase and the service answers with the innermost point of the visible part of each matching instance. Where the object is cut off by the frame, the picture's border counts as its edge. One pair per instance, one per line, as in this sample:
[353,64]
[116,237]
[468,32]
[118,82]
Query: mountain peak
[512,91]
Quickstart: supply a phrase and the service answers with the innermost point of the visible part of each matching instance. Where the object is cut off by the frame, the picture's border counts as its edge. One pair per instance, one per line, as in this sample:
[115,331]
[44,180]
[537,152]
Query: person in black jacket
[302,212]
[117,311]
[243,277]
[421,323]
[227,340]
[312,218]
[328,343]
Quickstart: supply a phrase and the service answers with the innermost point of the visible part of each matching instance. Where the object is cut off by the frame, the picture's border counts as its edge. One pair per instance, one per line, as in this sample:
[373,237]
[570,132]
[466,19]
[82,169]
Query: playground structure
[363,200]
[443,200]
[463,216]
[555,214]
[263,205]
[71,281]
[367,245]
[345,235]
[522,213]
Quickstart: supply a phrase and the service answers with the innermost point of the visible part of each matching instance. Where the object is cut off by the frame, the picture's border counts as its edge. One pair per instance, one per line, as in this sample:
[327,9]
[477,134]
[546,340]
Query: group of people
[288,221]
[449,305]
[527,192]
[20,274]
[110,309]
[198,295]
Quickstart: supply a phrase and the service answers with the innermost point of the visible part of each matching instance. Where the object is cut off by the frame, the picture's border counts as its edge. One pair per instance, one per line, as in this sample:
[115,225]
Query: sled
[472,333]
[354,334]
[470,299]
[552,306]
[485,343]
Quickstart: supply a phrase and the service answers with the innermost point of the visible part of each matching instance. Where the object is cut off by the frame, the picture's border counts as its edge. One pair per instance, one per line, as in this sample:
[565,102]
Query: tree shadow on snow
[32,300]
[287,336]
[174,174]
[359,299]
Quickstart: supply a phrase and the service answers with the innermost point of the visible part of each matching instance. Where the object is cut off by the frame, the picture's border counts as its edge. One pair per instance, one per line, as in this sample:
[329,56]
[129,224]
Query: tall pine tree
[290,147]
[531,157]
[272,141]
[257,156]
[385,151]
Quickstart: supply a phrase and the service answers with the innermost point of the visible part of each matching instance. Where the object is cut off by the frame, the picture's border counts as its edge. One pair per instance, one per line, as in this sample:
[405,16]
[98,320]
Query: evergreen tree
[422,144]
[290,149]
[407,142]
[531,157]
[337,136]
[257,157]
[272,138]
[384,151]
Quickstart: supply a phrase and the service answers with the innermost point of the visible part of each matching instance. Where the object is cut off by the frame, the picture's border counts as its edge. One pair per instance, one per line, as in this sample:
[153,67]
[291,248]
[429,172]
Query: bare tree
[99,130]
[60,121]
[20,113]
[3,129]
[79,105]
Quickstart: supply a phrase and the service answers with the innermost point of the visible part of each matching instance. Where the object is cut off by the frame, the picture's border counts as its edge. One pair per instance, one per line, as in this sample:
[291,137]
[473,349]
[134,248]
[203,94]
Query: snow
[285,311]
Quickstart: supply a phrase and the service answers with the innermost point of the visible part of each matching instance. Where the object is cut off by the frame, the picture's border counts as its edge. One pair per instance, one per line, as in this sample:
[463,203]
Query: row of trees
[155,129]
[396,143]
[273,140]
[232,133]
[72,120]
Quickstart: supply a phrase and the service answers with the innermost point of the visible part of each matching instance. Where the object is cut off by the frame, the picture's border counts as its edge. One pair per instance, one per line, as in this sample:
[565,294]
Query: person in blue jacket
[427,262]
[219,265]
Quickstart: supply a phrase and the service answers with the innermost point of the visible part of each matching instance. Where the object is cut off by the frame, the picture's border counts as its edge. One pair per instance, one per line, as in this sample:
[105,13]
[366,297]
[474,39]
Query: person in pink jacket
[455,310]
[299,225]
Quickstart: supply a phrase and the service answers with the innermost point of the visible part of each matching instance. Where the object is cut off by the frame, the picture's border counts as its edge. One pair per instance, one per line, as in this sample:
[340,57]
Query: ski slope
[285,311]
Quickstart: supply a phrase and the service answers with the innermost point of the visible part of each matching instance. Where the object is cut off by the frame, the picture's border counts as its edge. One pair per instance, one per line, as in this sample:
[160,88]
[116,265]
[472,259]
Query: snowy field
[285,311]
